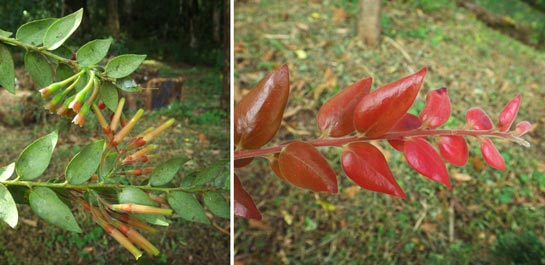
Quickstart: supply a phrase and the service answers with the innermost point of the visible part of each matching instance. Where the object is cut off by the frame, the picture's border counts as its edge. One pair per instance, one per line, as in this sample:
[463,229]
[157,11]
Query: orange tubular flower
[137,208]
[132,221]
[145,138]
[136,237]
[138,156]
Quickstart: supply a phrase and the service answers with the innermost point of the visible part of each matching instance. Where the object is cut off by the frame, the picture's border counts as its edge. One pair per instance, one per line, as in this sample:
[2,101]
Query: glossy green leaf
[61,29]
[138,196]
[47,205]
[123,65]
[4,33]
[93,52]
[8,210]
[216,203]
[7,70]
[35,158]
[164,172]
[127,84]
[39,69]
[33,32]
[7,171]
[109,95]
[85,163]
[187,206]
[211,172]
[63,72]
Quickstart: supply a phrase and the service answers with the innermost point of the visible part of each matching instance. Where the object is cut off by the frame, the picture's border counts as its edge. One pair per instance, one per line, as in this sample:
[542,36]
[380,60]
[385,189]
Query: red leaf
[336,116]
[508,114]
[244,205]
[407,123]
[454,149]
[273,163]
[425,160]
[437,109]
[259,114]
[303,166]
[522,128]
[380,110]
[366,166]
[243,162]
[478,119]
[491,155]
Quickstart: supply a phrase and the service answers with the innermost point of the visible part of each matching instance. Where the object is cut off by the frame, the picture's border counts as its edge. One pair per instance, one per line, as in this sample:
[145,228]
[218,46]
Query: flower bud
[137,208]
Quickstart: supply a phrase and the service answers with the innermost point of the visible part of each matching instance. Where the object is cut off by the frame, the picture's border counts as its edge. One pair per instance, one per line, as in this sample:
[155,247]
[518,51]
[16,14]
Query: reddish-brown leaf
[336,116]
[244,205]
[478,119]
[437,109]
[491,155]
[454,149]
[243,162]
[522,128]
[303,166]
[366,166]
[508,114]
[425,160]
[407,123]
[258,115]
[380,110]
[273,163]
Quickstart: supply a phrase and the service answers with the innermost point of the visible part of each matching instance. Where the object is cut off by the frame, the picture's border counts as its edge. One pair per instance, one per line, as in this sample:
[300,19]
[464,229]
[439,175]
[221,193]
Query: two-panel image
[272,132]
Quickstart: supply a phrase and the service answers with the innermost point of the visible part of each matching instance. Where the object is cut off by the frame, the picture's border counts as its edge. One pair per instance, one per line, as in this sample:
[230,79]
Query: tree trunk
[226,82]
[112,18]
[369,22]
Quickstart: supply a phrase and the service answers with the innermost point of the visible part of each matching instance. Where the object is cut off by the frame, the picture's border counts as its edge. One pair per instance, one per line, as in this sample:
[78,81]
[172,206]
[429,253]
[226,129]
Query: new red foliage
[244,204]
[437,109]
[425,160]
[478,119]
[454,149]
[491,155]
[508,114]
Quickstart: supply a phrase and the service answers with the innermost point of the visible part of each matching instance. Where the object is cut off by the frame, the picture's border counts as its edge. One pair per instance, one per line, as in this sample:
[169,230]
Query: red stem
[249,153]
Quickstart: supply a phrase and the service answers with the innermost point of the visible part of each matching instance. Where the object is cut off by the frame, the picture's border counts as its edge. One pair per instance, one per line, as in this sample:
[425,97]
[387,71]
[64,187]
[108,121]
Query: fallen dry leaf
[339,15]
[259,225]
[461,177]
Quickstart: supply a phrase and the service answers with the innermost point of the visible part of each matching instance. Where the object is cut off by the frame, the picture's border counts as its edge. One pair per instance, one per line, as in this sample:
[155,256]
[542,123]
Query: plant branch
[41,50]
[249,153]
[66,185]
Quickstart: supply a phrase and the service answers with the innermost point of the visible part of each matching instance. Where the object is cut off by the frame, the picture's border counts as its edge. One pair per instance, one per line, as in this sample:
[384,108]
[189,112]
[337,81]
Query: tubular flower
[145,138]
[137,208]
[136,237]
[79,119]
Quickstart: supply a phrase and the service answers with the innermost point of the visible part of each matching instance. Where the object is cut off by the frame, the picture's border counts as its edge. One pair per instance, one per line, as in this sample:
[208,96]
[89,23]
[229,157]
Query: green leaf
[187,181]
[33,32]
[138,196]
[39,69]
[164,172]
[7,70]
[216,203]
[63,52]
[47,205]
[61,29]
[85,163]
[92,52]
[187,206]
[123,65]
[107,166]
[109,95]
[127,84]
[63,72]
[211,172]
[35,158]
[4,33]
[7,171]
[8,210]
[19,194]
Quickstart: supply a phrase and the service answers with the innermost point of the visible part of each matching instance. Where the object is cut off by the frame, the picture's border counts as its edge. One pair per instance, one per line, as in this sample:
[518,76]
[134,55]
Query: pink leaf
[407,123]
[491,155]
[380,110]
[336,116]
[366,166]
[478,119]
[425,160]
[437,109]
[454,149]
[244,205]
[508,114]
[522,128]
[302,165]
